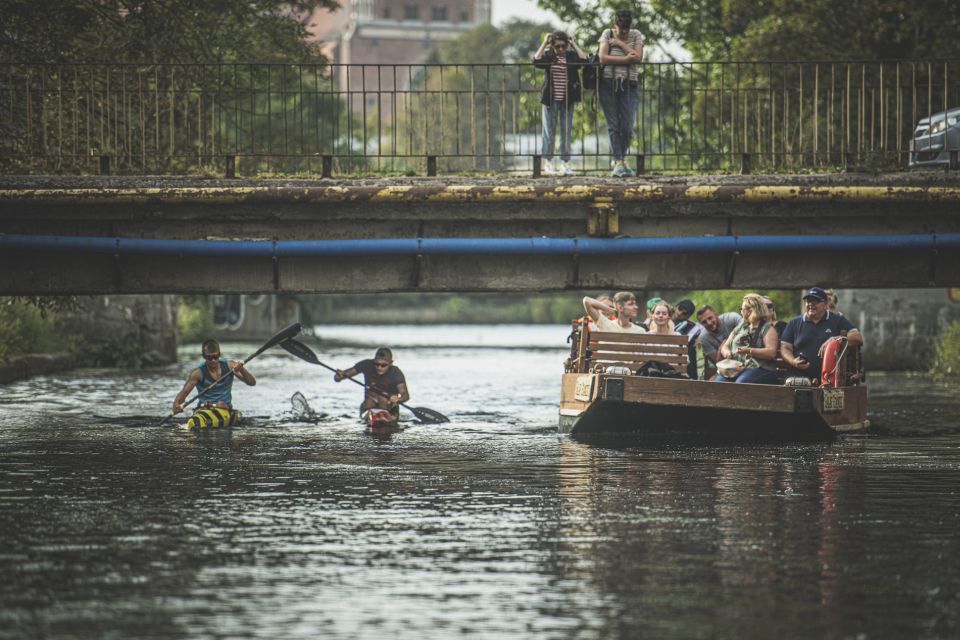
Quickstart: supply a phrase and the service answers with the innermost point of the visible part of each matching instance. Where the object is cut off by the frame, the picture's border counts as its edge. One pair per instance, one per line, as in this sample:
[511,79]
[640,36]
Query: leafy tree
[153,31]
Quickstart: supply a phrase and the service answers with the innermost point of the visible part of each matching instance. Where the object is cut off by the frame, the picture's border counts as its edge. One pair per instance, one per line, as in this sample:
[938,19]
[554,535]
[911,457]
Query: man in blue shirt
[801,344]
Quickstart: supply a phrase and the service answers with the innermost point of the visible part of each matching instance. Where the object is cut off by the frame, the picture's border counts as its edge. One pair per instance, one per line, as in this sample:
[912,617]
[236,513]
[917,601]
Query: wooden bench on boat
[603,351]
[602,393]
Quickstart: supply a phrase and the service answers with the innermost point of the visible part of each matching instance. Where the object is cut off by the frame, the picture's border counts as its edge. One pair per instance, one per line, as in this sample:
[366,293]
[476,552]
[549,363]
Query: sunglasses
[771,307]
[385,365]
[211,356]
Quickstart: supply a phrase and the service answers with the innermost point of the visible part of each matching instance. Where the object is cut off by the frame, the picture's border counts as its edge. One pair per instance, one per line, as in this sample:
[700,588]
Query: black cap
[816,293]
[624,13]
[686,306]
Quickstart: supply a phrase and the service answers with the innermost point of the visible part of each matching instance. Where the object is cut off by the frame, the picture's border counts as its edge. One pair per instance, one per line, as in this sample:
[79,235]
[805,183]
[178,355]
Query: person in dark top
[801,344]
[206,375]
[779,325]
[385,385]
[683,325]
[560,56]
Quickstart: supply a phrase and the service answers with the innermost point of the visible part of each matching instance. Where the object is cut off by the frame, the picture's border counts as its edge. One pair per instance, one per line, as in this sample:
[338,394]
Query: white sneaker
[566,169]
[548,169]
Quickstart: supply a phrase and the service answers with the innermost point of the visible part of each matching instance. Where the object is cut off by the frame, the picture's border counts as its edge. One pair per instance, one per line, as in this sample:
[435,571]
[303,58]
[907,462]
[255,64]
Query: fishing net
[301,411]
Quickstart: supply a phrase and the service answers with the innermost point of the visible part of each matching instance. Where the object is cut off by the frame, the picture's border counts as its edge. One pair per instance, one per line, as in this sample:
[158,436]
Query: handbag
[591,71]
[730,368]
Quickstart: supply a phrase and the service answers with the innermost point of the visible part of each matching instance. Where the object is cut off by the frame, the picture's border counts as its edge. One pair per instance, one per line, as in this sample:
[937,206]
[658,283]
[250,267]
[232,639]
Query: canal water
[490,526]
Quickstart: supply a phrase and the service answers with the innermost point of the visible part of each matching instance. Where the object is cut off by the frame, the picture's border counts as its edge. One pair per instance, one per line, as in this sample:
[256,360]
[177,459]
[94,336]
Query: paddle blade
[284,334]
[300,350]
[428,416]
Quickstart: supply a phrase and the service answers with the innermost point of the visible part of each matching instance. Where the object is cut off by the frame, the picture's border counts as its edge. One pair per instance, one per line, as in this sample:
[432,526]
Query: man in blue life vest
[386,387]
[209,372]
[801,344]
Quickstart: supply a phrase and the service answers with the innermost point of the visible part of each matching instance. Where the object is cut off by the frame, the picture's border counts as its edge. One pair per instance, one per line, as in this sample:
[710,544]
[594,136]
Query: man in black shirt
[385,385]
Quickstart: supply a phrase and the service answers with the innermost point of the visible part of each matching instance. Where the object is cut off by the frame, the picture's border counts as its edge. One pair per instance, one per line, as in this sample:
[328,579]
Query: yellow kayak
[212,417]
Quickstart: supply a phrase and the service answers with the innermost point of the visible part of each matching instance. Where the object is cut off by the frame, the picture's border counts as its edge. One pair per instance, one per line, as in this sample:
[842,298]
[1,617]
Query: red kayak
[380,420]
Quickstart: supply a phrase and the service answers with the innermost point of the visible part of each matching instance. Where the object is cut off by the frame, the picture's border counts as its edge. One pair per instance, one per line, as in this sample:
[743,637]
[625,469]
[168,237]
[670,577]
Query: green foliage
[788,302]
[946,361]
[783,29]
[187,31]
[125,352]
[30,325]
[440,308]
[194,318]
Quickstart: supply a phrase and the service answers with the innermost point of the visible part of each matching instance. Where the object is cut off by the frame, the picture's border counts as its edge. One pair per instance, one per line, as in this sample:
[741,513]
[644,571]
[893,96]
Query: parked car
[934,138]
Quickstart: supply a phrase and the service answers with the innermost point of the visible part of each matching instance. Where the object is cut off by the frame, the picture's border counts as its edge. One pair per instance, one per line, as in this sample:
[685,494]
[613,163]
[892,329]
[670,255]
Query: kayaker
[207,373]
[385,384]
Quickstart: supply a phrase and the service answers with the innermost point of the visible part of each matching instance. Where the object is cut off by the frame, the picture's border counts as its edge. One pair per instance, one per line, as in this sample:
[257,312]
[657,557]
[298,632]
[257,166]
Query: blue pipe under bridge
[466,246]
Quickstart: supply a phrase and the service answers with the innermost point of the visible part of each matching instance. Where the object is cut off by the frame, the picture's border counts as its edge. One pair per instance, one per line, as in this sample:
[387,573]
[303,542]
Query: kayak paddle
[302,351]
[285,334]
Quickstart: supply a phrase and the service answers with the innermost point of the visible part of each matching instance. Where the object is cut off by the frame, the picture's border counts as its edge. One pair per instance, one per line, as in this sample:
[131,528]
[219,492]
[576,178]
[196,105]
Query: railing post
[326,167]
[104,165]
[231,169]
[431,165]
[745,164]
[537,166]
[641,162]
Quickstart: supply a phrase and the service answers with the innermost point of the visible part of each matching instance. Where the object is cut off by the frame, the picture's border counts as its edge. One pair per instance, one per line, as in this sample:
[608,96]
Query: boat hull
[593,404]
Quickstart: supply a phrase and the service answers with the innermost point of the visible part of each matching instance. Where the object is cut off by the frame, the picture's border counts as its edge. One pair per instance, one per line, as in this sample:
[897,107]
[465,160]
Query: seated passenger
[772,315]
[683,325]
[753,342]
[802,342]
[624,307]
[660,322]
[715,331]
[607,300]
[832,301]
[648,318]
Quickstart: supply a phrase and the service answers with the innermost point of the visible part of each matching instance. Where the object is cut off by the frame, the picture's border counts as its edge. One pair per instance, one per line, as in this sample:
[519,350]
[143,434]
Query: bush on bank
[28,328]
[946,360]
[194,319]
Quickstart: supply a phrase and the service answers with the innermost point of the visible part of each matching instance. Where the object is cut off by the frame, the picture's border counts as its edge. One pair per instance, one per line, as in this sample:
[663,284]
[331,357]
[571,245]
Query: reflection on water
[490,525]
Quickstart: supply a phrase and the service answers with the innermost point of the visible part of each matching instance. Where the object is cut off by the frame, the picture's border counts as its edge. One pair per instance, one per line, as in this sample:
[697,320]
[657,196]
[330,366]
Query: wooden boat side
[601,403]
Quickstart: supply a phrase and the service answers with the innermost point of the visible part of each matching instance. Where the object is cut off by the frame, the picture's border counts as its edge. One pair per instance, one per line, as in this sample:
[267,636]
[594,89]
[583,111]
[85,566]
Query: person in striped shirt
[621,50]
[561,90]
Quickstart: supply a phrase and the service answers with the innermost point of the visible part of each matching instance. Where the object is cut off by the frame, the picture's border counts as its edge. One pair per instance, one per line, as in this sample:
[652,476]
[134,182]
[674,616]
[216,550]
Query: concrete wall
[151,318]
[899,326]
[257,317]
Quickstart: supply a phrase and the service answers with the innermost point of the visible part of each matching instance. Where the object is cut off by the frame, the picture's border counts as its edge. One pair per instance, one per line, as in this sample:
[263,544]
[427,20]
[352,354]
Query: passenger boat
[212,417]
[601,394]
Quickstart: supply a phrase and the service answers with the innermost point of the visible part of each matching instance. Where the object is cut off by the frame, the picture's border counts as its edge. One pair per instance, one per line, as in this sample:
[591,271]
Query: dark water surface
[490,526]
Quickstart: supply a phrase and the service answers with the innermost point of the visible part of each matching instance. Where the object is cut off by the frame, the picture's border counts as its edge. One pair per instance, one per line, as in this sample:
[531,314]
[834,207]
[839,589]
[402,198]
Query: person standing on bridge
[211,376]
[803,340]
[621,50]
[561,90]
[625,307]
[386,386]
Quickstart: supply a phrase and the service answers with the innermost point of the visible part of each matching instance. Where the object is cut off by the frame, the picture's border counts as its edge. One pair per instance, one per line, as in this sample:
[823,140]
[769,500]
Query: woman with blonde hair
[753,344]
[660,319]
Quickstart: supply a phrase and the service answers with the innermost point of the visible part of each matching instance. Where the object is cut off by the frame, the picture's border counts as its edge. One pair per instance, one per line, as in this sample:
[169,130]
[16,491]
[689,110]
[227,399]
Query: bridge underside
[681,212]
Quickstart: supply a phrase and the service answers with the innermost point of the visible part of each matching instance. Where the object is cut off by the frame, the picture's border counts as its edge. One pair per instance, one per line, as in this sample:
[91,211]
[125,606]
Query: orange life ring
[830,371]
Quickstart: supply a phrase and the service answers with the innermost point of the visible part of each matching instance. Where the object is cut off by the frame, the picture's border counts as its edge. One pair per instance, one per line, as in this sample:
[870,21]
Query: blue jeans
[562,111]
[619,100]
[753,376]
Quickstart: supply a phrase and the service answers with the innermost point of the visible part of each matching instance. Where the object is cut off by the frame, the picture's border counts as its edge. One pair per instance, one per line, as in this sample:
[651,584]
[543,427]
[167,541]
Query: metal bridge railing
[403,118]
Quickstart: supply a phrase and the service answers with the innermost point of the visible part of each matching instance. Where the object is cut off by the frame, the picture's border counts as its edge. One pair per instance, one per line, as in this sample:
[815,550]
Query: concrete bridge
[183,235]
